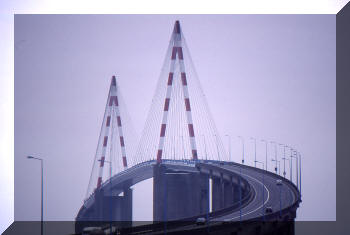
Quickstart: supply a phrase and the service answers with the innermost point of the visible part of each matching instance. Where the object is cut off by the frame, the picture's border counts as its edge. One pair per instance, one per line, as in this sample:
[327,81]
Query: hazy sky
[264,76]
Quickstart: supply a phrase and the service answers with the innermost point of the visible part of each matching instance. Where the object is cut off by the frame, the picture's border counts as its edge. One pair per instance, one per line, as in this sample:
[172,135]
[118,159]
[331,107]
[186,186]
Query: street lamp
[284,160]
[275,154]
[254,151]
[42,191]
[263,188]
[205,148]
[229,145]
[296,168]
[174,148]
[242,148]
[217,148]
[297,164]
[279,166]
[291,164]
[265,153]
[183,147]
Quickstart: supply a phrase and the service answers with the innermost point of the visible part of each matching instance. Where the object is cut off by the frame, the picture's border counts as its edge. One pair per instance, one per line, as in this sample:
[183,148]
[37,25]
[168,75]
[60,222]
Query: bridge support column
[204,194]
[228,194]
[217,193]
[126,206]
[178,195]
[98,212]
[109,207]
[236,193]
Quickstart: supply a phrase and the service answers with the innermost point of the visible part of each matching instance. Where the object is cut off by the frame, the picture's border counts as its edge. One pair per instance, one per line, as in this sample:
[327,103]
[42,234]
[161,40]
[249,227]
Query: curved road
[267,193]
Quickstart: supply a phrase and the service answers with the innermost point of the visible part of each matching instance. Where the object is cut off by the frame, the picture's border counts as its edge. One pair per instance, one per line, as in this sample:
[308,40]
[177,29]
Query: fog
[265,76]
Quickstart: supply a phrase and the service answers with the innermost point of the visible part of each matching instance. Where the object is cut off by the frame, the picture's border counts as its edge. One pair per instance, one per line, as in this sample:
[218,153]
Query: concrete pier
[178,195]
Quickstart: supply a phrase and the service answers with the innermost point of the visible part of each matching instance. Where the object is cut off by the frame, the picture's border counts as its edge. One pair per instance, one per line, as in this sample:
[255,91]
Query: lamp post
[242,148]
[263,189]
[205,148]
[229,145]
[296,168]
[279,166]
[275,154]
[42,191]
[254,151]
[183,147]
[284,160]
[291,164]
[289,161]
[265,153]
[217,148]
[174,147]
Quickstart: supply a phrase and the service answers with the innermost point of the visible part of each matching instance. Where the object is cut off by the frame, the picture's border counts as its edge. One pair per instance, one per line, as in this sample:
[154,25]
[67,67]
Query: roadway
[266,194]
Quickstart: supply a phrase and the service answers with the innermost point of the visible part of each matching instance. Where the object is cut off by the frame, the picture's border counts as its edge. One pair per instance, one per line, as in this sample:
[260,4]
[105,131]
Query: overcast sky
[265,76]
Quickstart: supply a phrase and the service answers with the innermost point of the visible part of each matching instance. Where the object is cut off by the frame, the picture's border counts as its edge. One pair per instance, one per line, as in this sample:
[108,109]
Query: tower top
[177,28]
[113,82]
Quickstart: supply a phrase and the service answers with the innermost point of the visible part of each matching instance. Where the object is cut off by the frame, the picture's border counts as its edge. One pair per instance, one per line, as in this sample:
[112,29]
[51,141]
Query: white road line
[268,196]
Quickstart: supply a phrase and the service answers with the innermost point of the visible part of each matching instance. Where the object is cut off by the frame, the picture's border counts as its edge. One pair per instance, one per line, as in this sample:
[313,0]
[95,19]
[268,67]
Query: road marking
[268,196]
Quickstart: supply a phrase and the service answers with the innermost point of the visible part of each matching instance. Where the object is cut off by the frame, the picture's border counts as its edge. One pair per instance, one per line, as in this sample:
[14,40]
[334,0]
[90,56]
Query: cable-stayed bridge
[194,179]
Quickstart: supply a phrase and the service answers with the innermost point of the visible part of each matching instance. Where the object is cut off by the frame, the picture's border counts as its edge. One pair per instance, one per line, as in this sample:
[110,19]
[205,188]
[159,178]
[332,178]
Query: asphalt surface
[267,194]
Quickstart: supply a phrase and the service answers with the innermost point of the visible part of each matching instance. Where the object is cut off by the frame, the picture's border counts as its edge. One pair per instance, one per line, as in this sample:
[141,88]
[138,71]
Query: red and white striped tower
[177,55]
[113,115]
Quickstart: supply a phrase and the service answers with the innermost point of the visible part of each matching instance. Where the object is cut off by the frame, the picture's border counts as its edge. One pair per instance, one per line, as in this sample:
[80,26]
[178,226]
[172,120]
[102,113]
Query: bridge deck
[278,197]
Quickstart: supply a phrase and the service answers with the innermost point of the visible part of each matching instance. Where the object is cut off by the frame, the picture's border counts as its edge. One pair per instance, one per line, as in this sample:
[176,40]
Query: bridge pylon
[113,145]
[179,125]
[176,59]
